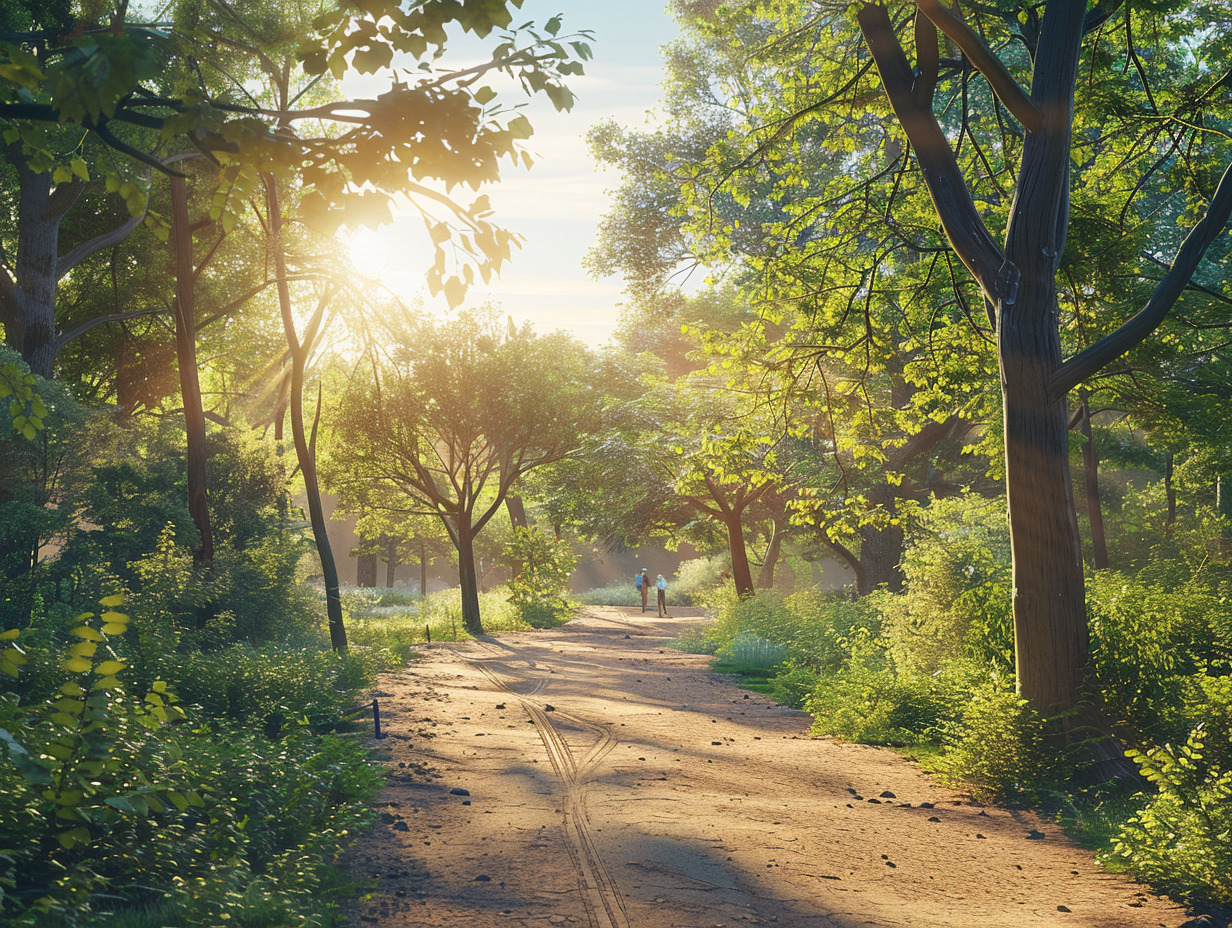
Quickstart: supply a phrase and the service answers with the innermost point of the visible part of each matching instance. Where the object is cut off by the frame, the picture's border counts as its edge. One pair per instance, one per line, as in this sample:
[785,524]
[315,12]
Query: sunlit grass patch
[397,621]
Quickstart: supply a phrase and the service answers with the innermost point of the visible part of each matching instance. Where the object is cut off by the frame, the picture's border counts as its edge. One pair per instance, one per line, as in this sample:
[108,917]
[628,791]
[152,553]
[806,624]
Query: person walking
[643,584]
[661,586]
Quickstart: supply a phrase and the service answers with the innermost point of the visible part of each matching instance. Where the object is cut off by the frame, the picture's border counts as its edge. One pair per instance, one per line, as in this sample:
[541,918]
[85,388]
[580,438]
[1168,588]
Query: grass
[398,621]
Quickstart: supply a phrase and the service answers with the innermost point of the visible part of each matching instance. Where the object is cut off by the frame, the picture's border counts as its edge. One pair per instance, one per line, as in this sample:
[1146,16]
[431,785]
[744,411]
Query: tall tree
[1018,281]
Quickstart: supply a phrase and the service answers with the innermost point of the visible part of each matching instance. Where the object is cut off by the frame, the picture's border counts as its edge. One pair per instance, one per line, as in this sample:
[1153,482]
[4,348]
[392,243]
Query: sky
[555,205]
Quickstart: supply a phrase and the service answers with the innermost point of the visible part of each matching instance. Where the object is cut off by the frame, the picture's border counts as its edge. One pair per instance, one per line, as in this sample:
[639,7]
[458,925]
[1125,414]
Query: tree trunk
[468,579]
[307,462]
[190,386]
[741,573]
[765,577]
[1090,471]
[365,571]
[30,324]
[881,547]
[391,563]
[423,568]
[1050,623]
[517,511]
[1170,494]
[1223,505]
[1050,620]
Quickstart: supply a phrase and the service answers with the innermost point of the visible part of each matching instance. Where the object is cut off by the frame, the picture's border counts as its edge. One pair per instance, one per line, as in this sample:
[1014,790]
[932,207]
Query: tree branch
[1188,256]
[1007,90]
[963,226]
[66,263]
[86,326]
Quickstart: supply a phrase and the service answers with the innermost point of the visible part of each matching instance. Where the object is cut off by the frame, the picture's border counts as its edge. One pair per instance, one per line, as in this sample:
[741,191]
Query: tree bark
[741,573]
[765,577]
[307,461]
[881,547]
[1090,471]
[30,300]
[467,578]
[365,571]
[517,511]
[1050,621]
[391,563]
[190,385]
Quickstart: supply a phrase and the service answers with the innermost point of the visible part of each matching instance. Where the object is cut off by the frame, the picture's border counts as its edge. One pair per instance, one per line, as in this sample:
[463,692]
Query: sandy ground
[588,776]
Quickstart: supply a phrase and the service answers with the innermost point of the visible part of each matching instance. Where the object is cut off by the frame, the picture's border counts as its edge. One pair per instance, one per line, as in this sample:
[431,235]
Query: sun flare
[369,250]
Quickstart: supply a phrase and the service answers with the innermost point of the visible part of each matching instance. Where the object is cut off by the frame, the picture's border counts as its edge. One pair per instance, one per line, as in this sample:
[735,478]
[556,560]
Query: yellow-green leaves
[25,406]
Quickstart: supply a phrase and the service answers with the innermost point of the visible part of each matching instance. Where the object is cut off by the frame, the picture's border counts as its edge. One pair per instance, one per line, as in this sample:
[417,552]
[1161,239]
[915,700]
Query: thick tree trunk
[1090,471]
[30,324]
[391,563]
[365,571]
[1050,623]
[307,462]
[1050,620]
[881,548]
[468,580]
[741,573]
[190,386]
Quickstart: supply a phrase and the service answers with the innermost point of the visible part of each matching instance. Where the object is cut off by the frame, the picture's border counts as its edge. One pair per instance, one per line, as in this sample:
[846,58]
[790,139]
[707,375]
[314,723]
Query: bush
[1179,840]
[866,701]
[616,593]
[114,804]
[545,565]
[998,745]
[957,605]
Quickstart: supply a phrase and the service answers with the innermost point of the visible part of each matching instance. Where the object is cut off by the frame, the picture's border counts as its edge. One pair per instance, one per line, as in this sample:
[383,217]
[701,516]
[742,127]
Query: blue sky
[556,204]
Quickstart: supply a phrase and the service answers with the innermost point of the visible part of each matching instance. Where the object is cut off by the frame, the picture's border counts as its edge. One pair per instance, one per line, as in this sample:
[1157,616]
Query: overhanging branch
[1166,293]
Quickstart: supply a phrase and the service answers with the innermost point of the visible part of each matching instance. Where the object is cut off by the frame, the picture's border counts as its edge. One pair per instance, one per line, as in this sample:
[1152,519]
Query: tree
[967,150]
[1019,284]
[111,75]
[451,416]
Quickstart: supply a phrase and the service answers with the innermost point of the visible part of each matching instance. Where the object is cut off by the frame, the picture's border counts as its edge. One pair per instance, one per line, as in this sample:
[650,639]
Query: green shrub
[616,593]
[545,565]
[957,601]
[1179,841]
[110,814]
[696,579]
[869,702]
[747,652]
[793,684]
[998,747]
[272,682]
[1147,640]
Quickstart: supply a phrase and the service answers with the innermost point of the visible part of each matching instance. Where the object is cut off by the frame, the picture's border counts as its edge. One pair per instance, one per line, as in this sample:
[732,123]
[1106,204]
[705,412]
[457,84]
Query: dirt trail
[588,776]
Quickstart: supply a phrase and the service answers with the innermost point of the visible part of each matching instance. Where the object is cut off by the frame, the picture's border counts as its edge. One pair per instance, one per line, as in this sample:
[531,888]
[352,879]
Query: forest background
[933,260]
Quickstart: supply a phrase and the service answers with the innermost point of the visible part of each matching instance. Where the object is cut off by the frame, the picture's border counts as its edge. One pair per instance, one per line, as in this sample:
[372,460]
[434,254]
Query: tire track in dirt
[604,902]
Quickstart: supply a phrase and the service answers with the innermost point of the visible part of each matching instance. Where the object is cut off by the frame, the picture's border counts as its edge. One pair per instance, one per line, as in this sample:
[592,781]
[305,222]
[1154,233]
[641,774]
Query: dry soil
[590,776]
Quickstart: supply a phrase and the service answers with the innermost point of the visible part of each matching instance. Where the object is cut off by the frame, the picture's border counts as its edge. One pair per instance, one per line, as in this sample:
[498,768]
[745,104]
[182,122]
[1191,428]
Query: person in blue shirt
[661,585]
[642,581]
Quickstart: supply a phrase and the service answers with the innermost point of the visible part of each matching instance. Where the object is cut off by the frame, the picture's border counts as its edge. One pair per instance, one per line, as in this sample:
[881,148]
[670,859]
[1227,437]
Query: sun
[369,252]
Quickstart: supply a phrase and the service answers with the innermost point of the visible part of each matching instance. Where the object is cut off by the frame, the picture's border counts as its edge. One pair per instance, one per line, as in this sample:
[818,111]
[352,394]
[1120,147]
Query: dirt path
[587,776]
